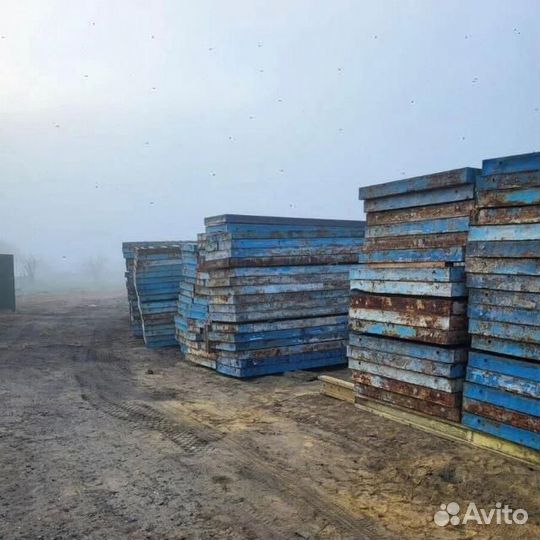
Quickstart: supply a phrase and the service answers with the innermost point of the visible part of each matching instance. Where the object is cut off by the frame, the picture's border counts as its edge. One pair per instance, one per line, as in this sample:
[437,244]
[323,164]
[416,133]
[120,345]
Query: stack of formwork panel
[277,291]
[502,389]
[157,274]
[128,251]
[192,317]
[408,328]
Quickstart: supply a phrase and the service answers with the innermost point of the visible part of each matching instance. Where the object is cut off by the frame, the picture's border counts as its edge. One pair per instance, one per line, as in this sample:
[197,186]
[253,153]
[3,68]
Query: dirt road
[101,438]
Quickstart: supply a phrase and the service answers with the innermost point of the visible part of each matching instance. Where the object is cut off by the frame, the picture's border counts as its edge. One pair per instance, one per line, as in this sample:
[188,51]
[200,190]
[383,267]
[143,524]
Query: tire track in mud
[194,437]
[189,440]
[108,385]
[253,467]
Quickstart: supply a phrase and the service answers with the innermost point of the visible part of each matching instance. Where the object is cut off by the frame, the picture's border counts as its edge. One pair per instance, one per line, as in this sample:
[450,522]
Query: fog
[133,120]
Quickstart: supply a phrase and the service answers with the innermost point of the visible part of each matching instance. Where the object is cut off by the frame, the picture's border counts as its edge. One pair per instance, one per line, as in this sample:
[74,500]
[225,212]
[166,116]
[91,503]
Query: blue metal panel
[421,198]
[506,315]
[269,343]
[436,382]
[284,243]
[447,290]
[432,182]
[502,398]
[519,349]
[279,324]
[525,267]
[506,365]
[504,431]
[285,333]
[441,275]
[414,255]
[281,367]
[514,332]
[516,385]
[409,363]
[500,282]
[282,270]
[518,300]
[508,181]
[511,164]
[273,354]
[245,221]
[488,233]
[278,252]
[262,229]
[504,249]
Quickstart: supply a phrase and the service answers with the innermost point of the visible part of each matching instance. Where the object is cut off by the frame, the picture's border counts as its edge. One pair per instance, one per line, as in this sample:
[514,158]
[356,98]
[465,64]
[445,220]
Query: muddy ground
[101,438]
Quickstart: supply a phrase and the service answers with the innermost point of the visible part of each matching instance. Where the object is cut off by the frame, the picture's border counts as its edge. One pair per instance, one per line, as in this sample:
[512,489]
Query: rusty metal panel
[425,335]
[410,349]
[427,241]
[426,227]
[411,305]
[447,399]
[420,198]
[420,213]
[504,314]
[400,400]
[501,282]
[514,267]
[491,182]
[501,381]
[500,414]
[519,300]
[504,249]
[509,197]
[507,216]
[412,288]
[409,363]
[430,182]
[451,254]
[297,260]
[512,332]
[435,382]
[492,233]
[502,398]
[519,349]
[438,322]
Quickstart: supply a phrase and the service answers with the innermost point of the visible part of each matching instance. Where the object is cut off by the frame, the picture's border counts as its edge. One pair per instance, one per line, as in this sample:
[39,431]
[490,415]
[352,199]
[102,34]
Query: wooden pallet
[344,390]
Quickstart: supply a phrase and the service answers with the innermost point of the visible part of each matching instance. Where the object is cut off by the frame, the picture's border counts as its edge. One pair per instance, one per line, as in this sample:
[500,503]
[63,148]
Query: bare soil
[101,438]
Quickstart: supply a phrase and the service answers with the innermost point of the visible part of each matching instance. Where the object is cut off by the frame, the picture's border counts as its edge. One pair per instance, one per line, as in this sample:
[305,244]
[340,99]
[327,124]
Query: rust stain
[416,241]
[436,211]
[426,407]
[409,304]
[505,416]
[408,389]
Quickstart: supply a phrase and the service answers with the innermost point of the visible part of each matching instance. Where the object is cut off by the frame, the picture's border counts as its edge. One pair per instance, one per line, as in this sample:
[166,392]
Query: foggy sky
[132,120]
